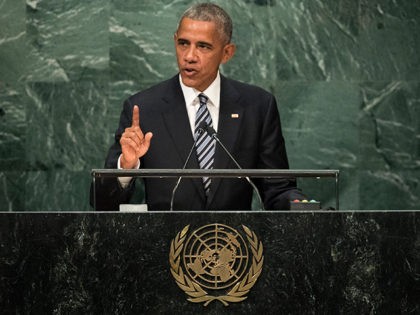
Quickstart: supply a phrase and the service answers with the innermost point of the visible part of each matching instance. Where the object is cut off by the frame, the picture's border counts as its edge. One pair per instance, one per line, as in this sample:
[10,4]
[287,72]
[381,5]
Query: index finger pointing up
[136,117]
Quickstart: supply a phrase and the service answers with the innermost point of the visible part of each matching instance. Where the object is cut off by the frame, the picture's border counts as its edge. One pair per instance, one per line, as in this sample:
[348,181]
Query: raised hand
[134,144]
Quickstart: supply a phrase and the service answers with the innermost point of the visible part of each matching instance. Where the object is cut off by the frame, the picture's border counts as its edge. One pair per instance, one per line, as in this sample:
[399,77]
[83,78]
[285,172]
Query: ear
[228,52]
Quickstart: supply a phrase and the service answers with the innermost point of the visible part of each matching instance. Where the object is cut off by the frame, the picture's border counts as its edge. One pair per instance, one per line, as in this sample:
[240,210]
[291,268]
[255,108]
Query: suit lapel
[230,119]
[176,121]
[177,124]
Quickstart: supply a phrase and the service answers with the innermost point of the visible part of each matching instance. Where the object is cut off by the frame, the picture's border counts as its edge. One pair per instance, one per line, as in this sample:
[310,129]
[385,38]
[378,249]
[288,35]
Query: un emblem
[214,262]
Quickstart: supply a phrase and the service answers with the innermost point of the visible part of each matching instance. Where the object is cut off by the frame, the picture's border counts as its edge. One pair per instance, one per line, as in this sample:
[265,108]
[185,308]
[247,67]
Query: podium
[349,262]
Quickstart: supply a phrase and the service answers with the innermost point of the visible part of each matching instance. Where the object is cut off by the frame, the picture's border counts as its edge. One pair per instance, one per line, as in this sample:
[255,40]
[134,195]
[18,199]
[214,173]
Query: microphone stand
[213,134]
[200,130]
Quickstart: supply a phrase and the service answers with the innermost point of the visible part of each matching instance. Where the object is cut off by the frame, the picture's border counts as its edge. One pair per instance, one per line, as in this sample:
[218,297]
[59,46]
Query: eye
[182,42]
[204,46]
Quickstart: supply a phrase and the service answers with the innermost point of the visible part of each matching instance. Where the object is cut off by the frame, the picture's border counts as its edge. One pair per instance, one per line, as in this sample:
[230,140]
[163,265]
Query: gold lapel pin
[234,115]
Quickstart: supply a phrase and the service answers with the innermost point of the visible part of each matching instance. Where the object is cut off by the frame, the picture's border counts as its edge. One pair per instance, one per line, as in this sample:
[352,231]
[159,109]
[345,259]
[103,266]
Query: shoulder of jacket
[243,87]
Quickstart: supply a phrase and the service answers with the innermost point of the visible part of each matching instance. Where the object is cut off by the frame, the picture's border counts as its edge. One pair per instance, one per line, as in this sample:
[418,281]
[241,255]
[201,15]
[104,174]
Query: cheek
[179,53]
[215,62]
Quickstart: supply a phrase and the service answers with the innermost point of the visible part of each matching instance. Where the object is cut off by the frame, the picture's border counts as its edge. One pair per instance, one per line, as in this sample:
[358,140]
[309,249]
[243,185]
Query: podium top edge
[200,212]
[213,173]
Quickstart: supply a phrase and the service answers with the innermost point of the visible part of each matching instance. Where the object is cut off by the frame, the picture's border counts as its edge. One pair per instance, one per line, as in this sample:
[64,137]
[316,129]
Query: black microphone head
[211,131]
[202,127]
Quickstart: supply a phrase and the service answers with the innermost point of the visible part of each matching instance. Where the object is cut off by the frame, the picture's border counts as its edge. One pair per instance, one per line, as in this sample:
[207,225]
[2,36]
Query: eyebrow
[182,40]
[205,44]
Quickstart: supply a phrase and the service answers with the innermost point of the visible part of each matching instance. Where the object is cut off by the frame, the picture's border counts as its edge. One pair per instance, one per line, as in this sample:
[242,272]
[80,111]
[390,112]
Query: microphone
[201,128]
[213,134]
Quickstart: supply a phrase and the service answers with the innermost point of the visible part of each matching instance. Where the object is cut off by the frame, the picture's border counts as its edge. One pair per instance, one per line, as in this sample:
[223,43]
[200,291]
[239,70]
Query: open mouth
[189,71]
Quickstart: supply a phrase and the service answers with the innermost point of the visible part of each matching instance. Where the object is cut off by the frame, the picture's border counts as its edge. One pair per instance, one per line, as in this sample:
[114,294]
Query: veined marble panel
[69,131]
[390,125]
[12,127]
[382,189]
[71,36]
[12,190]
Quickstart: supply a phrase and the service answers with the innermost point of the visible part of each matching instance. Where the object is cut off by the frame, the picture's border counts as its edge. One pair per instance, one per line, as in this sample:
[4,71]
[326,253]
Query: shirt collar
[212,92]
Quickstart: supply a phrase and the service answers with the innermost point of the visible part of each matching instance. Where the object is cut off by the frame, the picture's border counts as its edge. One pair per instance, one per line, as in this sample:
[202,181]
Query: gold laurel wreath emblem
[195,292]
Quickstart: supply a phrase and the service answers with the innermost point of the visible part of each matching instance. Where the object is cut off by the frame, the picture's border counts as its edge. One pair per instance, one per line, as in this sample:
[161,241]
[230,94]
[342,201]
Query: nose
[190,54]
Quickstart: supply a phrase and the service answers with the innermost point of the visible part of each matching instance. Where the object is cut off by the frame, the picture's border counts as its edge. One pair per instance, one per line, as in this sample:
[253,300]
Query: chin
[189,83]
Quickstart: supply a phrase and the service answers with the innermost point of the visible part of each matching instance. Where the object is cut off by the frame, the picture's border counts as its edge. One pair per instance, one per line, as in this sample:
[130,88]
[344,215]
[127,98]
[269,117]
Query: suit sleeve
[276,192]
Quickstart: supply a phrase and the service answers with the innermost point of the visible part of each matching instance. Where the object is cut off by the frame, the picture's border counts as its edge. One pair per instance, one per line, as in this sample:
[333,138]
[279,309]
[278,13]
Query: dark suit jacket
[254,138]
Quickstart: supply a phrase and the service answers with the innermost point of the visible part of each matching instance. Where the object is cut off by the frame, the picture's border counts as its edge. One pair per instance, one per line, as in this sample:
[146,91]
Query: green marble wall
[346,74]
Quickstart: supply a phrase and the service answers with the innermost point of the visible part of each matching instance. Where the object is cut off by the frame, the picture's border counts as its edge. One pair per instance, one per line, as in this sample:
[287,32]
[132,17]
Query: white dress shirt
[193,103]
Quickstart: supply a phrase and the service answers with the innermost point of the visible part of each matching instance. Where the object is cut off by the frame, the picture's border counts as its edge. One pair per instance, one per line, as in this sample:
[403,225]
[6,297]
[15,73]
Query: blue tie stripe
[202,143]
[205,145]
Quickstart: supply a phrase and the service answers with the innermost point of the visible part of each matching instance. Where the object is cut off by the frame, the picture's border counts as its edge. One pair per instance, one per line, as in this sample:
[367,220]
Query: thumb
[147,139]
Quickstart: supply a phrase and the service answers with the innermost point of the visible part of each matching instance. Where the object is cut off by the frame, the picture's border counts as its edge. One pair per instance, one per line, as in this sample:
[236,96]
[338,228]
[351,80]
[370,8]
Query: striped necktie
[205,145]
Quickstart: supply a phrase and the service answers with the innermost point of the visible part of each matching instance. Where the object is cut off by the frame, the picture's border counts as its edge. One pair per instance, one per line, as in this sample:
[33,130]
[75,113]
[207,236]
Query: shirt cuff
[125,181]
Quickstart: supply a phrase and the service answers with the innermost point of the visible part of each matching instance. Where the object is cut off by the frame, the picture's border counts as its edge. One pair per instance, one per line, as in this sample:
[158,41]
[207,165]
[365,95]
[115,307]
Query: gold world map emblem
[214,262]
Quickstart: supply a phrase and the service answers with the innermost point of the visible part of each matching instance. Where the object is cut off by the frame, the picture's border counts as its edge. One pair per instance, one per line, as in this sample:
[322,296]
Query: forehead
[197,30]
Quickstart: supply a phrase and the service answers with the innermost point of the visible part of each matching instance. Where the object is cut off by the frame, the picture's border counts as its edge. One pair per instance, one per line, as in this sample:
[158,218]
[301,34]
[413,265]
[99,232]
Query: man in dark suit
[245,117]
